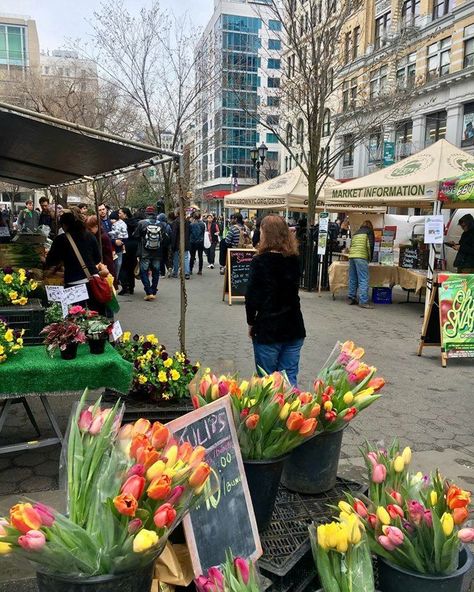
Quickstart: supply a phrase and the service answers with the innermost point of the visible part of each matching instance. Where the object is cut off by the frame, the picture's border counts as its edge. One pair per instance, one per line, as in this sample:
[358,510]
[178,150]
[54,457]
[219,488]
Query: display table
[33,373]
[379,276]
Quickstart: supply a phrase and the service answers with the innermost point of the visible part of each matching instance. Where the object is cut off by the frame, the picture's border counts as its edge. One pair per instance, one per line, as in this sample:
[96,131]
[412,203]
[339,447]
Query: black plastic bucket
[139,580]
[393,578]
[312,467]
[97,346]
[263,477]
[70,352]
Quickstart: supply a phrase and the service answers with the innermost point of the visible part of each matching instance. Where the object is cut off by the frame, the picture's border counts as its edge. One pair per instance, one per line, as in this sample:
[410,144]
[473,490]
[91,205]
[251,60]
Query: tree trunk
[309,267]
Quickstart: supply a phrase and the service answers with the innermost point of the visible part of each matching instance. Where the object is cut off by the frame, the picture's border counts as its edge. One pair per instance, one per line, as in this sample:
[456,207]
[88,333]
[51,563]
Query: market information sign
[226,519]
[456,314]
[323,232]
[237,273]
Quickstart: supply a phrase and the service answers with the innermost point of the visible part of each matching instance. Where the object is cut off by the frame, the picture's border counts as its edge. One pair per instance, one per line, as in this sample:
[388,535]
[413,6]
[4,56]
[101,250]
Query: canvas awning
[40,151]
[413,182]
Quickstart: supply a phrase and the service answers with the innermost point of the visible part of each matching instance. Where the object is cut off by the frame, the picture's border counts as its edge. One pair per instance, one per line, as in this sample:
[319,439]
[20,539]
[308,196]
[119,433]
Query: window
[273,101]
[12,45]
[300,132]
[347,47]
[406,69]
[440,8]
[240,42]
[326,123]
[410,13]
[325,159]
[349,94]
[468,46]
[241,24]
[348,155]
[375,147]
[273,120]
[274,44]
[289,134]
[274,64]
[435,127]
[355,43]
[382,28]
[273,82]
[403,139]
[468,125]
[271,139]
[439,57]
[378,82]
[274,25]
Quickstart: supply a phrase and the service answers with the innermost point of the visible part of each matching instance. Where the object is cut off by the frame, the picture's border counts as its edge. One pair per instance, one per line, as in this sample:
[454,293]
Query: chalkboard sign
[409,257]
[226,520]
[237,273]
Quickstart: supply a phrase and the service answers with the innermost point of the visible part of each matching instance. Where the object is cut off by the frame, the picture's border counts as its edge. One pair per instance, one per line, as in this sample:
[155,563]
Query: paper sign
[116,332]
[323,232]
[456,314]
[55,293]
[4,231]
[76,294]
[434,230]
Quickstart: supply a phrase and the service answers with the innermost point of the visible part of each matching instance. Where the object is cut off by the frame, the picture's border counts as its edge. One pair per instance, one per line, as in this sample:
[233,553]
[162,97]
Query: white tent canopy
[413,182]
[287,191]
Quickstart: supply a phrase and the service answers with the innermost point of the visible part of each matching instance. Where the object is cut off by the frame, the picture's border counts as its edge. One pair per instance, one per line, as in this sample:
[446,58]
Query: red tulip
[376,383]
[252,421]
[397,497]
[318,386]
[223,387]
[164,516]
[242,569]
[372,520]
[216,577]
[360,508]
[395,511]
[125,504]
[350,414]
[379,473]
[280,399]
[134,485]
[295,421]
[159,488]
[199,475]
[33,540]
[305,398]
[195,402]
[24,517]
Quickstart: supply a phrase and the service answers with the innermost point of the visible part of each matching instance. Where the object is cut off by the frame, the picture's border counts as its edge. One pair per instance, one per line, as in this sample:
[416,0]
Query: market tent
[413,182]
[287,191]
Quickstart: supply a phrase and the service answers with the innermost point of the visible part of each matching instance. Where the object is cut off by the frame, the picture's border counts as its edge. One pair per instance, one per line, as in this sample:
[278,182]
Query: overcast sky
[58,20]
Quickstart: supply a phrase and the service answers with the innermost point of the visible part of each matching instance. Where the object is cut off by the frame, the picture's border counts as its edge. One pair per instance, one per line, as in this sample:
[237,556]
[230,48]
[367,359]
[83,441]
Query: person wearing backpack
[153,238]
[196,240]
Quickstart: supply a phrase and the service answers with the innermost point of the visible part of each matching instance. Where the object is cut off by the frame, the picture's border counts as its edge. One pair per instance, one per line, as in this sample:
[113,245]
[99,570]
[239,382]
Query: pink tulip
[379,473]
[216,577]
[175,495]
[204,387]
[33,540]
[125,432]
[223,388]
[386,543]
[134,525]
[137,469]
[85,420]
[416,511]
[373,458]
[394,534]
[372,520]
[46,514]
[242,569]
[397,497]
[428,518]
[360,508]
[97,425]
[352,366]
[466,535]
[201,583]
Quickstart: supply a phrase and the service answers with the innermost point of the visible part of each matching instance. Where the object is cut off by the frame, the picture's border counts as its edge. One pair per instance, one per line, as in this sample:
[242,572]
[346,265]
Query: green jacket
[361,247]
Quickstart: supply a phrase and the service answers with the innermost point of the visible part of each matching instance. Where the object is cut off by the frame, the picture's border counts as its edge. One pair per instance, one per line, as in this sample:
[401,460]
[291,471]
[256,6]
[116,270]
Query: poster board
[237,273]
[226,519]
[323,232]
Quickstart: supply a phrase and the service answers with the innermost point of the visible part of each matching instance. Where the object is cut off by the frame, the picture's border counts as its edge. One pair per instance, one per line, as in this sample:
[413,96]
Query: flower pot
[393,578]
[263,477]
[134,581]
[97,345]
[70,352]
[312,467]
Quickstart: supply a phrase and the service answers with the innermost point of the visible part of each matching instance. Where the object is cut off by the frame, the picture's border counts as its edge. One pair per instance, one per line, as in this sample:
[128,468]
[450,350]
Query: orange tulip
[308,428]
[460,515]
[184,452]
[347,347]
[376,383]
[457,497]
[295,421]
[199,476]
[24,518]
[305,398]
[147,456]
[197,456]
[315,411]
[358,353]
[141,426]
[159,435]
[139,441]
[252,421]
[126,504]
[159,488]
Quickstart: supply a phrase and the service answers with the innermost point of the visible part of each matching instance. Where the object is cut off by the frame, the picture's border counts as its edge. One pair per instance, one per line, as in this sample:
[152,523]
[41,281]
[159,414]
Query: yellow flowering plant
[15,286]
[11,341]
[158,375]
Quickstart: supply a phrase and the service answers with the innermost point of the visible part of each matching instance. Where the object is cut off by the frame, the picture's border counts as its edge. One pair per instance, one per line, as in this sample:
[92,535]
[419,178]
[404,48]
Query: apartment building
[238,74]
[63,65]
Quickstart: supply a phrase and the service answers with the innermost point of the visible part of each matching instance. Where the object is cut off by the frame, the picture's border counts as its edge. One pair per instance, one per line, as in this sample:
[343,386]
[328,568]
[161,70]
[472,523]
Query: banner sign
[456,312]
[396,191]
[460,189]
[323,232]
[388,153]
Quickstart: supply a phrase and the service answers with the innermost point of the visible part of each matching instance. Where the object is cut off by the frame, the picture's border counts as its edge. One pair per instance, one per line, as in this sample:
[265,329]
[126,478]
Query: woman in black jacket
[464,261]
[272,303]
[129,261]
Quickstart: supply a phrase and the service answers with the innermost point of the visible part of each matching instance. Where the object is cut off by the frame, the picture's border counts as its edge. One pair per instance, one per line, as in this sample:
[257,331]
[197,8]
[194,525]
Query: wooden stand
[236,273]
[431,330]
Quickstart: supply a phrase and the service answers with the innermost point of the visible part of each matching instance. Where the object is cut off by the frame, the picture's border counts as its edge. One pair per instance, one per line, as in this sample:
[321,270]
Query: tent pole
[96,207]
[179,169]
[286,215]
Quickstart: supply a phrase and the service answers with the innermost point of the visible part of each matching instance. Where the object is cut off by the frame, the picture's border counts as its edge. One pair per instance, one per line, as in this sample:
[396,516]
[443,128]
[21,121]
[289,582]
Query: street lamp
[257,155]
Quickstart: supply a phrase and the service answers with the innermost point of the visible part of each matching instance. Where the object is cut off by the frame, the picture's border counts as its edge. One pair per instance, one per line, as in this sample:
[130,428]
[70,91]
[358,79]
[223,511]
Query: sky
[59,20]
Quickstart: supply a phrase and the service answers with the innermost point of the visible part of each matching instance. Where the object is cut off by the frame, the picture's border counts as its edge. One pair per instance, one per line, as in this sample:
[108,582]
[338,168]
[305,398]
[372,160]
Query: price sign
[116,332]
[75,294]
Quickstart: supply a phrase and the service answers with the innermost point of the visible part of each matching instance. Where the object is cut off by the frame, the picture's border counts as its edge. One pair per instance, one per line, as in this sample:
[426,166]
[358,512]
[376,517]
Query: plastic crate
[29,317]
[382,295]
[287,559]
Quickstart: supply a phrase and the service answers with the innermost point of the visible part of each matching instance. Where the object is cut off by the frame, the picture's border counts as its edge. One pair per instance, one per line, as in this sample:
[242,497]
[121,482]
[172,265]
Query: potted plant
[65,335]
[343,388]
[127,489]
[15,286]
[271,418]
[235,575]
[415,524]
[11,341]
[97,331]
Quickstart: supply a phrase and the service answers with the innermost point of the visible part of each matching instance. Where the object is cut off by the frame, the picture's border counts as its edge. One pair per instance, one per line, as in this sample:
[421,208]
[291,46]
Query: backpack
[153,237]
[244,239]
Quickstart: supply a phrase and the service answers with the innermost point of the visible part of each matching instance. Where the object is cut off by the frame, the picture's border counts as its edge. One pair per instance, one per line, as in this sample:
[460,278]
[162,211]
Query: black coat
[272,302]
[175,235]
[465,257]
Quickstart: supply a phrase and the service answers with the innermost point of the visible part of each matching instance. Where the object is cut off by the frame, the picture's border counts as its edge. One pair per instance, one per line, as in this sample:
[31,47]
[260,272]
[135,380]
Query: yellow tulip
[348,398]
[406,455]
[156,470]
[383,515]
[322,539]
[5,548]
[353,526]
[244,385]
[345,507]
[214,392]
[399,464]
[342,540]
[295,405]
[331,534]
[328,405]
[145,539]
[447,524]
[433,498]
[285,411]
[171,456]
[366,392]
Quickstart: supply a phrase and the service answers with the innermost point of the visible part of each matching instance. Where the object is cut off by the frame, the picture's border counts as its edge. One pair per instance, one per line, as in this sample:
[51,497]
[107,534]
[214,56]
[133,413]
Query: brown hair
[367,224]
[91,221]
[276,236]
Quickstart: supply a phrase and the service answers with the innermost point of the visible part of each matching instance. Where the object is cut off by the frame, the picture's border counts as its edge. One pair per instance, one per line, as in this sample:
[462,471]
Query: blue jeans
[359,277]
[147,264]
[118,264]
[279,356]
[176,262]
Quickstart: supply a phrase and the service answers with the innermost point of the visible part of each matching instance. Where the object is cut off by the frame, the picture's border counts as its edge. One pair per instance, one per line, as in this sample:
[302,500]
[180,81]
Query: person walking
[28,219]
[129,261]
[165,259]
[275,322]
[212,229]
[464,261]
[360,255]
[237,236]
[175,247]
[118,235]
[196,241]
[151,237]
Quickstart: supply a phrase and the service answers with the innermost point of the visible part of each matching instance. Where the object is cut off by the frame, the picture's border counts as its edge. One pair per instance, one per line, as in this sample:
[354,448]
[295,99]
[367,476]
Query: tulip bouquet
[342,556]
[345,386]
[11,341]
[158,374]
[236,575]
[15,286]
[128,488]
[415,520]
[272,418]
